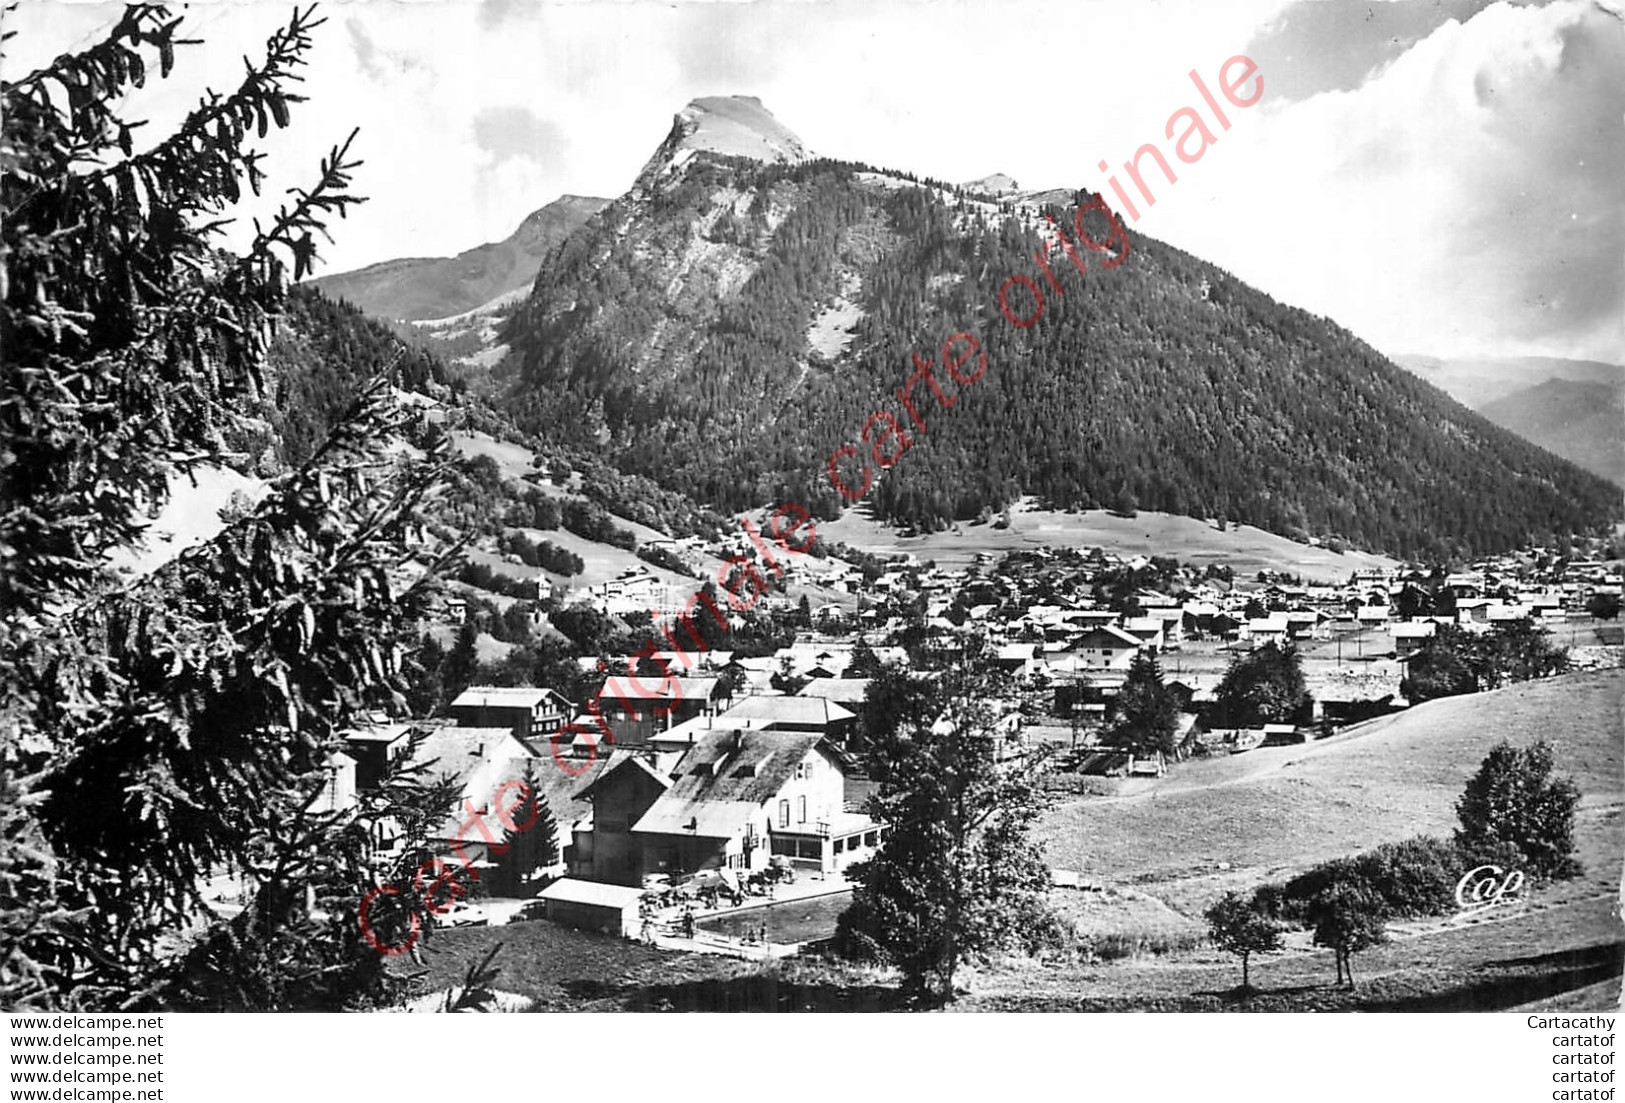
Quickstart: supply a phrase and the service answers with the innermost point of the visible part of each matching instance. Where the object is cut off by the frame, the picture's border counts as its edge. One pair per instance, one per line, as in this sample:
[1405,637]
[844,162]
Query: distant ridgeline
[726,324]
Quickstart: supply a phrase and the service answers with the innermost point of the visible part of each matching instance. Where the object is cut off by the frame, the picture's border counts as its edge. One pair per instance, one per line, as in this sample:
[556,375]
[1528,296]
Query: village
[711,800]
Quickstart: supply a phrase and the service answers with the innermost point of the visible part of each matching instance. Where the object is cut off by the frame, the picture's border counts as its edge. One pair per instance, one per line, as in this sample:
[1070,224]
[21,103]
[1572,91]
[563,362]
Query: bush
[1415,877]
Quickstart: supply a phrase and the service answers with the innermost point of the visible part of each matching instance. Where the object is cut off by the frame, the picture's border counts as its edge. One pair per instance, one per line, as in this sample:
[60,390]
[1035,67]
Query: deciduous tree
[1347,917]
[1513,800]
[1237,926]
[1265,686]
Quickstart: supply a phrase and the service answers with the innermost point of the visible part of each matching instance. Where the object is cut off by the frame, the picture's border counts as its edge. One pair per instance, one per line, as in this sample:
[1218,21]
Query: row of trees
[1457,661]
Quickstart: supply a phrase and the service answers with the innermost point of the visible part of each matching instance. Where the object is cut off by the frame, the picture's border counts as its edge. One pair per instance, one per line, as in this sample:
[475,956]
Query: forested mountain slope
[1582,422]
[728,323]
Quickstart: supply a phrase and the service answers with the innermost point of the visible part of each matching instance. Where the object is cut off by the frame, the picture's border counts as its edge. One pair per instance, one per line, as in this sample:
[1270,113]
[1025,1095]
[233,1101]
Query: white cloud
[1470,198]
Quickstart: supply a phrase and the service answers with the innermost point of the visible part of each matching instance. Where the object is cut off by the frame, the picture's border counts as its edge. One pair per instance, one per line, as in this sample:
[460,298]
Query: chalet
[1103,648]
[1197,617]
[1302,623]
[1018,658]
[633,709]
[1272,629]
[804,713]
[372,746]
[1411,636]
[526,711]
[1368,616]
[480,762]
[1150,631]
[734,800]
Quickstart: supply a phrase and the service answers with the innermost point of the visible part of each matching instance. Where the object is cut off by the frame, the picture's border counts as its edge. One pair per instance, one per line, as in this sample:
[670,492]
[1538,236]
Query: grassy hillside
[1247,549]
[1237,821]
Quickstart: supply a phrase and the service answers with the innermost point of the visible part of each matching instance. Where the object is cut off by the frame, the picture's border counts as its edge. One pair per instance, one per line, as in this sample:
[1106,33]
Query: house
[1018,658]
[633,709]
[1271,629]
[1102,648]
[804,713]
[338,794]
[736,798]
[1371,616]
[486,766]
[371,746]
[1148,630]
[1410,636]
[526,711]
[1301,623]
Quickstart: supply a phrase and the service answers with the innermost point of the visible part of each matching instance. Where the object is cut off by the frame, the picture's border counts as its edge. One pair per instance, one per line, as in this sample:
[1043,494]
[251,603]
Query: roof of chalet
[617,760]
[461,751]
[1106,634]
[724,778]
[657,688]
[505,697]
[846,691]
[764,711]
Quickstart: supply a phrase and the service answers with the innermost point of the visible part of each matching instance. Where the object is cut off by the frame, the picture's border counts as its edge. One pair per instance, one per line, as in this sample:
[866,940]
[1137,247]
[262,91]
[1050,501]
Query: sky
[1444,177]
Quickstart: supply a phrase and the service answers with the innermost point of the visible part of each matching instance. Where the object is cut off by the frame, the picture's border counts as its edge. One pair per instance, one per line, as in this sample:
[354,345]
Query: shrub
[1415,877]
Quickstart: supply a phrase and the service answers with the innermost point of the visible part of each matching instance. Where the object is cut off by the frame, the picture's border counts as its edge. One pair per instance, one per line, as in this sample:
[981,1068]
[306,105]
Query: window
[803,808]
[784,813]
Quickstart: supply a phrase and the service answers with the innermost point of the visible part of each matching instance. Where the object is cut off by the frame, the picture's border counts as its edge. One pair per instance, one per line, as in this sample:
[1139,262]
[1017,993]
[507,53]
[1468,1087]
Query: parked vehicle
[462,915]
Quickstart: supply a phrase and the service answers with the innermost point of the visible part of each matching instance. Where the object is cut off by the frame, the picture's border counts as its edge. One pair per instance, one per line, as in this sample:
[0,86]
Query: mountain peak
[738,126]
[997,184]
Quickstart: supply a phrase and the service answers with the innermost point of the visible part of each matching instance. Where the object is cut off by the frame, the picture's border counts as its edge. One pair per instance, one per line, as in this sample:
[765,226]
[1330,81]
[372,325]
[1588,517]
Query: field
[1242,819]
[1248,550]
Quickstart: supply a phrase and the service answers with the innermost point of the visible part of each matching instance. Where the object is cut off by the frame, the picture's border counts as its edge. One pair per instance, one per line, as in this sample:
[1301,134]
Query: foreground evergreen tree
[959,874]
[154,734]
[1514,802]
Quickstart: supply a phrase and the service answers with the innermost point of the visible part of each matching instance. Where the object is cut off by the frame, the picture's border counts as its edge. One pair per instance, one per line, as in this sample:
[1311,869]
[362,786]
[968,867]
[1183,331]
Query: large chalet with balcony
[734,799]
